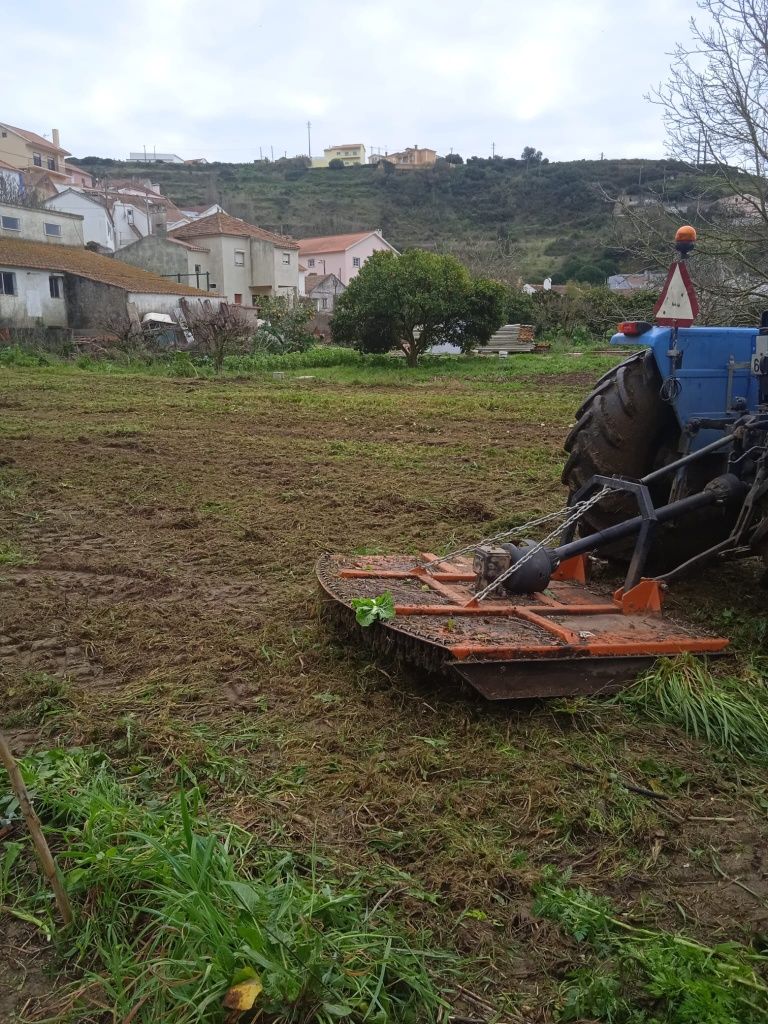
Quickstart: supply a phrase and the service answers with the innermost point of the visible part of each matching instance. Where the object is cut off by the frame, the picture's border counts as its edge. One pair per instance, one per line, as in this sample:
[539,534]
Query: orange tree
[415,300]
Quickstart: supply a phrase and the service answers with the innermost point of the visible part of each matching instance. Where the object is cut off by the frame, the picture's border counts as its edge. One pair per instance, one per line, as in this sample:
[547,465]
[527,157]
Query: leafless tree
[492,258]
[715,109]
[12,193]
[219,329]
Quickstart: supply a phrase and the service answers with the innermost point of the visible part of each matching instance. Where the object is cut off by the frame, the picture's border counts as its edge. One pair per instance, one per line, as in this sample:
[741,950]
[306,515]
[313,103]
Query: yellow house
[28,151]
[352,154]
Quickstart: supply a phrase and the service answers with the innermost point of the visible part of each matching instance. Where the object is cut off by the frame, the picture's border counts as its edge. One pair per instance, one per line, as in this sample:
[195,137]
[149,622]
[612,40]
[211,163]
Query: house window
[239,257]
[286,258]
[7,283]
[129,214]
[238,299]
[324,303]
[53,229]
[56,285]
[10,223]
[51,164]
[355,261]
[198,268]
[310,263]
[37,160]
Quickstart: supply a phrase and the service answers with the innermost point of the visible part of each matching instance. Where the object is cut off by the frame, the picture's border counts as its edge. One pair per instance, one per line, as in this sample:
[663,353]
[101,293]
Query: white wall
[146,302]
[286,275]
[97,224]
[32,226]
[127,216]
[33,304]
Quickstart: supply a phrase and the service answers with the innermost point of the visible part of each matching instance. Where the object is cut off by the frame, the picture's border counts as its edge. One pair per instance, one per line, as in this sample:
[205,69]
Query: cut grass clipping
[642,976]
[174,910]
[724,712]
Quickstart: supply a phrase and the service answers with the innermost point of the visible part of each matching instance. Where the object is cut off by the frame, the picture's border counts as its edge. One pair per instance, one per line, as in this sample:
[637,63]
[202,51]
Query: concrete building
[153,157]
[169,257]
[116,216]
[342,255]
[77,176]
[27,150]
[243,261]
[48,279]
[97,222]
[33,225]
[412,156]
[322,290]
[635,282]
[351,154]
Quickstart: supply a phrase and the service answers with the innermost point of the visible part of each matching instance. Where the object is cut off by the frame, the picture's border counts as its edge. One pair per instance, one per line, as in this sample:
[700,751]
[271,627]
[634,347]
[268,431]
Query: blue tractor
[689,408]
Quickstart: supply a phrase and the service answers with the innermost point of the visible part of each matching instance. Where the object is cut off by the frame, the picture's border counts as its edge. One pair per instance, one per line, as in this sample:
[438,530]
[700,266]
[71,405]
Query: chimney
[55,138]
[160,222]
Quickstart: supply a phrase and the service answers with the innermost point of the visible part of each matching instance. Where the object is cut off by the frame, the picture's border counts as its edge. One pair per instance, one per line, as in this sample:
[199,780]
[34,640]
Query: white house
[98,225]
[322,290]
[153,157]
[116,217]
[342,255]
[48,278]
[243,261]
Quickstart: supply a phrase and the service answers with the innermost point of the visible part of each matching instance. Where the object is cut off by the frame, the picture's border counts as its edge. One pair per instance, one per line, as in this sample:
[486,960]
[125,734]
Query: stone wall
[91,305]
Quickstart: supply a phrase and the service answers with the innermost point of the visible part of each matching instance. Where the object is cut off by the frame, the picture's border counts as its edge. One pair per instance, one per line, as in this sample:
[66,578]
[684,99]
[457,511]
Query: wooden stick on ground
[42,849]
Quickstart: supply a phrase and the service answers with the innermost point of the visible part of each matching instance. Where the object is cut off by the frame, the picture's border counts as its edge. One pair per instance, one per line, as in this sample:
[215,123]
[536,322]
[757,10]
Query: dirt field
[158,599]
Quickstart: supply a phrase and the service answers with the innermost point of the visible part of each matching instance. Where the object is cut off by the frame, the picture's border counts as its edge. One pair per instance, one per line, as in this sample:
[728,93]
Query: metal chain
[524,528]
[577,512]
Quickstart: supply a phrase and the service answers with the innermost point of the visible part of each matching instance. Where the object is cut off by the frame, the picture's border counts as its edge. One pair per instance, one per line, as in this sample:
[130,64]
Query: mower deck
[566,640]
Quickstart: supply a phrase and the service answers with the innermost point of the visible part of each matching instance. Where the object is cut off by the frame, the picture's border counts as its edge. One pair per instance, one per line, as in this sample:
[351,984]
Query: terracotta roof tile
[186,245]
[223,224]
[82,263]
[332,243]
[36,140]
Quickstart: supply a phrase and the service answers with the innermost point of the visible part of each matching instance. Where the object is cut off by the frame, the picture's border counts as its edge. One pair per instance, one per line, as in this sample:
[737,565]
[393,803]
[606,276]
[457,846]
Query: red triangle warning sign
[677,306]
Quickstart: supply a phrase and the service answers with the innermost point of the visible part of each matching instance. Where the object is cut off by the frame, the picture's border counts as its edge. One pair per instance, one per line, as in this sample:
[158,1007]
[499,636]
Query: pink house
[342,255]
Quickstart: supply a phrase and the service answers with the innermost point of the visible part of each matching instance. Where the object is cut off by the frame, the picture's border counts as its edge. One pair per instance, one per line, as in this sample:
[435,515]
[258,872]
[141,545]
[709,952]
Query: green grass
[172,908]
[328,362]
[638,975]
[724,712]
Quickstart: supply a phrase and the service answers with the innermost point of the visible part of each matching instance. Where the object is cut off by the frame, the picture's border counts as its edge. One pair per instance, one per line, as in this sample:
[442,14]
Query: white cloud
[223,79]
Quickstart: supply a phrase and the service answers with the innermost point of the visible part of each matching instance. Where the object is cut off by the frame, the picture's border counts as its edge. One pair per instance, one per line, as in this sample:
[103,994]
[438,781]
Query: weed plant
[723,711]
[643,976]
[173,908]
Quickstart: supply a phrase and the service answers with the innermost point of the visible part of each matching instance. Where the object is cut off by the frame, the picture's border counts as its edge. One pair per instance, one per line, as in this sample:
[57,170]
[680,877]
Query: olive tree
[415,300]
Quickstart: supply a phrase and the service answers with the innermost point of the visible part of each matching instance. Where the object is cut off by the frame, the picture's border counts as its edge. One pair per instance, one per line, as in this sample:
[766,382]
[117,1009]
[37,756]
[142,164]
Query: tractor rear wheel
[624,428]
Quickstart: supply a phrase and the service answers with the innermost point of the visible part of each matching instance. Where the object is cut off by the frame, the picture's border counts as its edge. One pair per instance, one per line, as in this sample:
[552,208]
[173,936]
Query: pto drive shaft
[535,573]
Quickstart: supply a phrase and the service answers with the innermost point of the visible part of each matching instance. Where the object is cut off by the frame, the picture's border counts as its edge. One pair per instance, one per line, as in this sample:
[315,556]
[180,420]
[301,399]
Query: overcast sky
[222,78]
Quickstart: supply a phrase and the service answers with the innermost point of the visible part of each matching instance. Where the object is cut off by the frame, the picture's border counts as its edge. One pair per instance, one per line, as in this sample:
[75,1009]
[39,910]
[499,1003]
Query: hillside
[545,219]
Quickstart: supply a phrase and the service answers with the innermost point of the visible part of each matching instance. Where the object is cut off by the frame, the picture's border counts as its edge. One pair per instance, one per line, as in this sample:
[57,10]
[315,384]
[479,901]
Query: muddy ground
[157,596]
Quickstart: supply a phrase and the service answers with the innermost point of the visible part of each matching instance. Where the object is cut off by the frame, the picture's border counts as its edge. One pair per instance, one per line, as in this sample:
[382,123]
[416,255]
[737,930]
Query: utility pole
[309,139]
[272,153]
[493,150]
